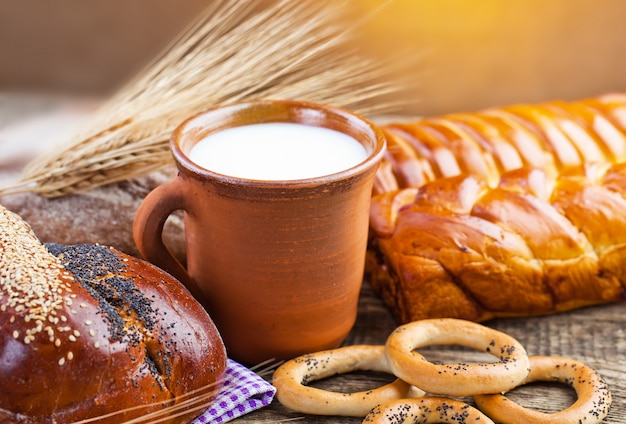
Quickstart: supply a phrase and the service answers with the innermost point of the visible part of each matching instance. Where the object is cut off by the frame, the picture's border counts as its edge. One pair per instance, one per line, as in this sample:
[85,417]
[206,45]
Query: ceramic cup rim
[294,111]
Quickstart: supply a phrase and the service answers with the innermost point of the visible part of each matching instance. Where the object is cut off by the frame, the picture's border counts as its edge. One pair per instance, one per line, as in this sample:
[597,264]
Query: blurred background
[473,53]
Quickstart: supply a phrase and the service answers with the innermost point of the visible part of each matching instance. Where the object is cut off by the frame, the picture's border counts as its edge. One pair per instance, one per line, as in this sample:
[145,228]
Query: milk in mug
[277,151]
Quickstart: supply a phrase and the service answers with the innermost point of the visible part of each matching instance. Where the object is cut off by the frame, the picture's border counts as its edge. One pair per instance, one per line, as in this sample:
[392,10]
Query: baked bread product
[514,211]
[87,331]
[101,215]
[556,137]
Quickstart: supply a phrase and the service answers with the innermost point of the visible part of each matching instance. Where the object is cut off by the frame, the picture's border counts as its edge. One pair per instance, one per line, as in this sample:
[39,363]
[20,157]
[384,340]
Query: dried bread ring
[290,379]
[456,379]
[592,405]
[426,410]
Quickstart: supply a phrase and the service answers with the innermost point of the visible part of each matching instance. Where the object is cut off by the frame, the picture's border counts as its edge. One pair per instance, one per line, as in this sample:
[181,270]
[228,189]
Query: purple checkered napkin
[243,391]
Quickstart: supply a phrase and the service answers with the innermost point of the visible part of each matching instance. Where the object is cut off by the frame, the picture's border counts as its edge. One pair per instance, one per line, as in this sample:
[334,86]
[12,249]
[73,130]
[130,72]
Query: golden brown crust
[460,379]
[523,217]
[555,137]
[591,406]
[426,410]
[292,377]
[90,317]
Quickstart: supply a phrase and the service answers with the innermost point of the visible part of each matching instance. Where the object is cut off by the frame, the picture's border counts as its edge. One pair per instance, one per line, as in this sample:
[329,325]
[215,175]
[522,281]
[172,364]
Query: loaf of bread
[514,211]
[101,215]
[87,331]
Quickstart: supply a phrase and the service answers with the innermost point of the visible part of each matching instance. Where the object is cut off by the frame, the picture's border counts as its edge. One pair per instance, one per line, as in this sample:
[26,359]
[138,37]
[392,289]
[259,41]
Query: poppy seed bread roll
[88,331]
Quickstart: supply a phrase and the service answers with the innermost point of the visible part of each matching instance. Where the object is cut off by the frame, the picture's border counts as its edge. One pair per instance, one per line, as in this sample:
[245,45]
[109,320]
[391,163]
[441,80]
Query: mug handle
[148,225]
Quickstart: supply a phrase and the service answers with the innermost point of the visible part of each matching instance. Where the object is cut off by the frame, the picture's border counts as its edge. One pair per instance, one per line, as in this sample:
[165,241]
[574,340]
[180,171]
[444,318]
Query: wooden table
[594,335]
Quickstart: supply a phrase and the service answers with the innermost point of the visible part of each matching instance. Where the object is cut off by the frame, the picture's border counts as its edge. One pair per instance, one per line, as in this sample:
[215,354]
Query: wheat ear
[235,51]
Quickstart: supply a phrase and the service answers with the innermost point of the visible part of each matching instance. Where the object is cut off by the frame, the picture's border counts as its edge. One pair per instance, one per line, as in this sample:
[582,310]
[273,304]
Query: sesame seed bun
[86,331]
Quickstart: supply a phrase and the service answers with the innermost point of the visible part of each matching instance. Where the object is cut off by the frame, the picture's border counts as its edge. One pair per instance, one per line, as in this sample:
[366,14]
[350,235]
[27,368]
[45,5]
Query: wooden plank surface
[594,335]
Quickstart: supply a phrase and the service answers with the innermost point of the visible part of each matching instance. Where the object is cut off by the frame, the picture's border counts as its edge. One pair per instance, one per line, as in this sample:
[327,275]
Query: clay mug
[278,264]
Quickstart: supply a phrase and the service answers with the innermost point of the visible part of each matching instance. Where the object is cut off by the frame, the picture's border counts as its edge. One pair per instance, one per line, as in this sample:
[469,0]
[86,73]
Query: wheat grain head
[235,51]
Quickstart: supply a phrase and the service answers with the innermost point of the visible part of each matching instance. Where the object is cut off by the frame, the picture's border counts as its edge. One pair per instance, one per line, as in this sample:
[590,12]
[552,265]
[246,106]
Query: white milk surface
[277,151]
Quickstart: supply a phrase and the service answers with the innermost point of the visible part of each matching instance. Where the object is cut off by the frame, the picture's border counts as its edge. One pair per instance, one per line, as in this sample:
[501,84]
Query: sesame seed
[33,282]
[88,322]
[36,282]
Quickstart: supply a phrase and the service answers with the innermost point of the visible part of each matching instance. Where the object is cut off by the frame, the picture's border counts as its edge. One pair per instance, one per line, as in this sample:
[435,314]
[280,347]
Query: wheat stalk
[235,51]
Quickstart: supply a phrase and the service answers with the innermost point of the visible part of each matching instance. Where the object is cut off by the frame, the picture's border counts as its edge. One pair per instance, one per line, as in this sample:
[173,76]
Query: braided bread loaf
[514,211]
